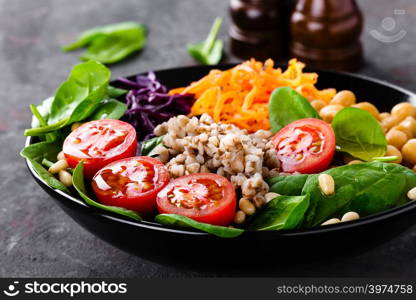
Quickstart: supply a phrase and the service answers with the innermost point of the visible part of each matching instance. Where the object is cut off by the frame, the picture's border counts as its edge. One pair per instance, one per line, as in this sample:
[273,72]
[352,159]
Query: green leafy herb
[283,212]
[109,109]
[113,92]
[209,52]
[366,188]
[358,133]
[37,152]
[182,221]
[111,43]
[286,105]
[79,185]
[77,97]
[290,185]
[43,109]
[48,177]
[149,145]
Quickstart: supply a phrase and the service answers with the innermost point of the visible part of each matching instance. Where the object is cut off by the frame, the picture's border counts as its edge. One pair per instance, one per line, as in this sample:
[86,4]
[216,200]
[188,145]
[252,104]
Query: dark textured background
[36,237]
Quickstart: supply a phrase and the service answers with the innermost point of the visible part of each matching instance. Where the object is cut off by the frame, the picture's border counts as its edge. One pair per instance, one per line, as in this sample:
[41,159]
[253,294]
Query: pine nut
[58,166]
[412,194]
[75,126]
[327,184]
[331,221]
[239,217]
[60,155]
[65,177]
[270,196]
[350,216]
[246,206]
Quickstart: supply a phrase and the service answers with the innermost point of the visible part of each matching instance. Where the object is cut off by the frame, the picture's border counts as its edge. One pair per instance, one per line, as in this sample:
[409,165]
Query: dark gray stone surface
[36,237]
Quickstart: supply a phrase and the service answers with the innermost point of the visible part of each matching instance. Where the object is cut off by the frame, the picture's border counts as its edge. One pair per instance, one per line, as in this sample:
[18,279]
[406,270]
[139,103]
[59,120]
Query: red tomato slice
[204,197]
[98,143]
[305,146]
[132,183]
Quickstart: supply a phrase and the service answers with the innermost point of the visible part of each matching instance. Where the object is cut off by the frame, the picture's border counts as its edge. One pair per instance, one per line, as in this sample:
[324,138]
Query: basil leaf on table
[111,43]
[208,52]
[77,97]
[182,221]
[286,105]
[283,212]
[48,177]
[358,133]
[148,146]
[109,109]
[79,185]
[365,188]
[113,92]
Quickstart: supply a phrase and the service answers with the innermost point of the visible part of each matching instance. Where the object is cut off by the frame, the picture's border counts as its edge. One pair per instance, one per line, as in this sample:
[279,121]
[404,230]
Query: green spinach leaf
[77,97]
[289,185]
[286,105]
[111,43]
[37,152]
[109,109]
[182,221]
[79,185]
[149,145]
[358,133]
[114,93]
[48,177]
[209,52]
[283,212]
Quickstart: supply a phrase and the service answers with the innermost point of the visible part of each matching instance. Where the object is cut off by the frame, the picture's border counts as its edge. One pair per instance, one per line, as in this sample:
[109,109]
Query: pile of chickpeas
[399,124]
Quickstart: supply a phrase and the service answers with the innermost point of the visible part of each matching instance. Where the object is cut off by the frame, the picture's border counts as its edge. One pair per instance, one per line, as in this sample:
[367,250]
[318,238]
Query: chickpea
[401,128]
[396,138]
[409,152]
[318,104]
[328,112]
[345,98]
[403,110]
[368,107]
[393,151]
[389,122]
[409,123]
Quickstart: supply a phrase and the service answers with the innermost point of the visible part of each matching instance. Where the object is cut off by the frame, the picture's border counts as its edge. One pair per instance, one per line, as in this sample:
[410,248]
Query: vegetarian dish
[250,148]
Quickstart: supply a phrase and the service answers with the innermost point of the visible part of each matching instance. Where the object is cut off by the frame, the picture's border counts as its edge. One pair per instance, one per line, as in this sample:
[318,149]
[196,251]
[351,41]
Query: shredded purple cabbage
[149,104]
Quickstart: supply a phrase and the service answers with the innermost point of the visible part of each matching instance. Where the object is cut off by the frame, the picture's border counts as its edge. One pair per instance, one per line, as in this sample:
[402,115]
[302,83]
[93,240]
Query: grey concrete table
[36,237]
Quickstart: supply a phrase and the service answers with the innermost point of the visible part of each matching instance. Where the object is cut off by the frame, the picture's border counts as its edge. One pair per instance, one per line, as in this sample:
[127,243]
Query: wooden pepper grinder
[260,28]
[326,34]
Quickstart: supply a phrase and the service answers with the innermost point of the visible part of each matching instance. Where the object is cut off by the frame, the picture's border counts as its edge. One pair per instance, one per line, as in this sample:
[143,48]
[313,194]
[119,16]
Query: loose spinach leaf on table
[111,43]
[79,185]
[77,97]
[148,146]
[209,52]
[286,105]
[358,133]
[366,188]
[109,109]
[182,221]
[283,212]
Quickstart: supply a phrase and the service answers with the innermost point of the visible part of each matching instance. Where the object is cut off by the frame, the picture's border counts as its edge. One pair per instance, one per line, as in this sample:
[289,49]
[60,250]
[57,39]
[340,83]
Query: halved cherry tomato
[98,143]
[132,183]
[204,197]
[305,146]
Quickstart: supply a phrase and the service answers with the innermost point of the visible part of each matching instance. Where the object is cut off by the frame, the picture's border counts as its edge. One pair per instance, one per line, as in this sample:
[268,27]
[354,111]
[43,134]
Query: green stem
[385,158]
[212,36]
[47,163]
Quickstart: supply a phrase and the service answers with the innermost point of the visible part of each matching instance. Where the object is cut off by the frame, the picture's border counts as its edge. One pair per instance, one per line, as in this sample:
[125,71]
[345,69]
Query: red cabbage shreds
[149,103]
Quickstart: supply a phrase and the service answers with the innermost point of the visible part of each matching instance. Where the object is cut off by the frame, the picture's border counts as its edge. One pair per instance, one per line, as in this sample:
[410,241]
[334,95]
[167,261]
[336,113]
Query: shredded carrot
[241,94]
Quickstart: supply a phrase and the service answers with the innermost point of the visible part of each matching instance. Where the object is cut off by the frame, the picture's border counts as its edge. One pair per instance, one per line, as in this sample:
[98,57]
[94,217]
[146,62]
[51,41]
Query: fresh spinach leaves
[365,188]
[283,212]
[182,221]
[286,105]
[209,52]
[114,93]
[48,177]
[109,109]
[358,133]
[111,43]
[76,98]
[79,185]
[148,146]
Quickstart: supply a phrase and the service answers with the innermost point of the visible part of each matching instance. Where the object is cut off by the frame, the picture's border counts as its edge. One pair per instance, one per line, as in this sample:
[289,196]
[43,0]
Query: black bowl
[181,247]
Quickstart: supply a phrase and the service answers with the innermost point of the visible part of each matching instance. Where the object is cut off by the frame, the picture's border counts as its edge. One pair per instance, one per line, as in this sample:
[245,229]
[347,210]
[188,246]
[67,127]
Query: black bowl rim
[288,233]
